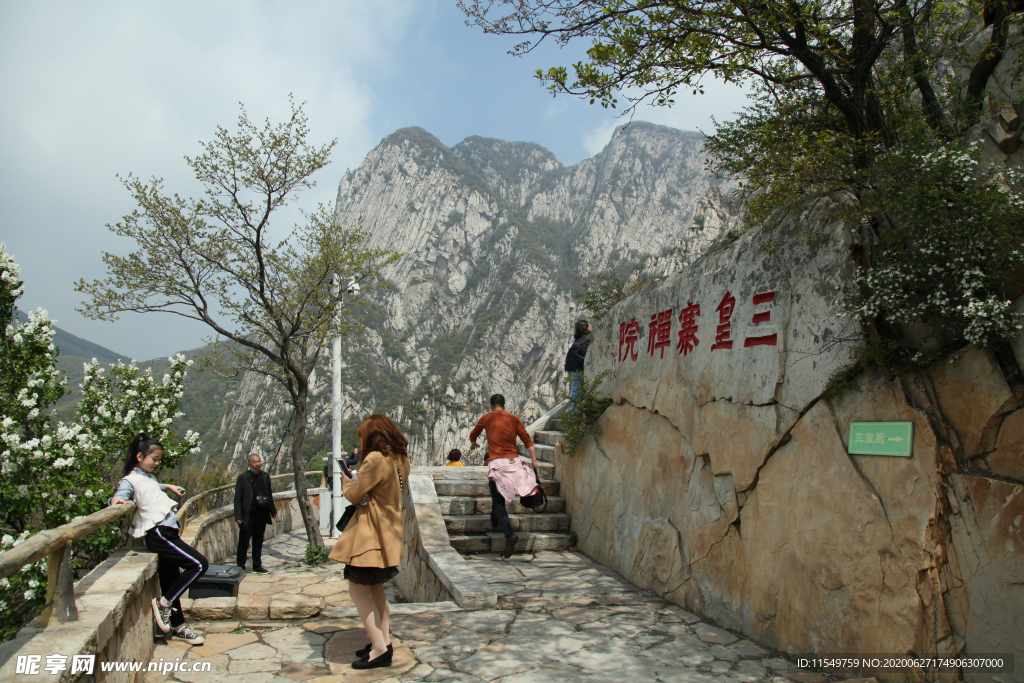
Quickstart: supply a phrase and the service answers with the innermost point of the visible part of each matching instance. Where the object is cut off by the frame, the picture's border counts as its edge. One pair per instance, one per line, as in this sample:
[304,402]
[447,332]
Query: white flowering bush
[953,236]
[52,473]
[120,402]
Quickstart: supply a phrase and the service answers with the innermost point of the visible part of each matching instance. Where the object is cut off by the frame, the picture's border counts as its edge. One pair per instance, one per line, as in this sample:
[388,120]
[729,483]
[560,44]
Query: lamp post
[351,287]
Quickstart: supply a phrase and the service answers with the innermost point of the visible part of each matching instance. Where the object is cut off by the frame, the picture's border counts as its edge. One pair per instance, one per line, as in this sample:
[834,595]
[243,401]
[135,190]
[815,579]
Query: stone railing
[200,500]
[431,570]
[115,623]
[541,422]
[215,534]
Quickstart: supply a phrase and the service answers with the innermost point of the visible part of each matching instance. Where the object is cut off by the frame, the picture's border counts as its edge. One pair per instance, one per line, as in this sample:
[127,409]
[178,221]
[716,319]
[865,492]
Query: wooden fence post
[64,601]
[53,561]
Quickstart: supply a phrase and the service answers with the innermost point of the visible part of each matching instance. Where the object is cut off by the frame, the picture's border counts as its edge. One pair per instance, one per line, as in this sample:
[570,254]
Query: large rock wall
[721,478]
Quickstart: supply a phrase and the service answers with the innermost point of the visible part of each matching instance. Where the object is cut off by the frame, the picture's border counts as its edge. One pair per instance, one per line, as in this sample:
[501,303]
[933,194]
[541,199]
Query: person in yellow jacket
[454,458]
[371,544]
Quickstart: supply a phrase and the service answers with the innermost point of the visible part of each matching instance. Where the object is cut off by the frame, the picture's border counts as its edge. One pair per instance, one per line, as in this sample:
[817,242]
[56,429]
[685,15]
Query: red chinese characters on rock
[629,334]
[725,309]
[760,332]
[688,328]
[762,317]
[660,334]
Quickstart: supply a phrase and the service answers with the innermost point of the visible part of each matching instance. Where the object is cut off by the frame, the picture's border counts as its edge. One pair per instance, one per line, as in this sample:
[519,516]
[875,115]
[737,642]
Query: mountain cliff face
[480,303]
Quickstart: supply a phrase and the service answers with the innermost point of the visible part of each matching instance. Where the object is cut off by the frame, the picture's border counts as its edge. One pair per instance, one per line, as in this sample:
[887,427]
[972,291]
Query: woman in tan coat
[371,544]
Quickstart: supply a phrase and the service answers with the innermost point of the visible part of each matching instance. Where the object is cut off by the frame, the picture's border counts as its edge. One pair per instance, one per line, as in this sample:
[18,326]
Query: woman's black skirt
[369,576]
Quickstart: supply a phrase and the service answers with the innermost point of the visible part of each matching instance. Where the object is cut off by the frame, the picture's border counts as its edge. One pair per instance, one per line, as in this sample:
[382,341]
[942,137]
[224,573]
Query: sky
[91,91]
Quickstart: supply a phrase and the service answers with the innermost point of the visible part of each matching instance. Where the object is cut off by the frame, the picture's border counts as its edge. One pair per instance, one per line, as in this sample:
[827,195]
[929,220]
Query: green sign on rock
[881,438]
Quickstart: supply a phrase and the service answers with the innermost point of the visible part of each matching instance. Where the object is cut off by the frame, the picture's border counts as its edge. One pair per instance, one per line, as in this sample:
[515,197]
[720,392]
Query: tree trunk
[299,463]
[989,58]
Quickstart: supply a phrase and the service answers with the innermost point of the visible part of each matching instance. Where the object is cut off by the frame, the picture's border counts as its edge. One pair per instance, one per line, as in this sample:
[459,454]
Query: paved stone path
[563,618]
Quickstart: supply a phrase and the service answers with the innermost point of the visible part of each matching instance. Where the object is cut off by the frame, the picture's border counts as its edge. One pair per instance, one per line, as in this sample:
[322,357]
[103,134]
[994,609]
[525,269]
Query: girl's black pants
[180,564]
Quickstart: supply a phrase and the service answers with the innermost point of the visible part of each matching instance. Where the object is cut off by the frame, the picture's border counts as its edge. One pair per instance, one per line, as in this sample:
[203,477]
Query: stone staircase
[466,505]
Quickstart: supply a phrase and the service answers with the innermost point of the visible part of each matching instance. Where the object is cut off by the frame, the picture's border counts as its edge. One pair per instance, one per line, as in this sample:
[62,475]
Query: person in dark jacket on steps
[577,353]
[251,488]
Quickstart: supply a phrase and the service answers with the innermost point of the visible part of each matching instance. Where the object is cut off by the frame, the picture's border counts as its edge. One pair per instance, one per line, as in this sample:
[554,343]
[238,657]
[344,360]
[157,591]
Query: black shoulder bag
[263,502]
[536,501]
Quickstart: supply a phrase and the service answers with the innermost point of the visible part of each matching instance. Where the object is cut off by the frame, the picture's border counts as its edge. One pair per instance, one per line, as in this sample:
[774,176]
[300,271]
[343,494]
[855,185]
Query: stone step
[547,437]
[457,505]
[545,454]
[529,541]
[483,506]
[545,468]
[469,524]
[477,488]
[464,505]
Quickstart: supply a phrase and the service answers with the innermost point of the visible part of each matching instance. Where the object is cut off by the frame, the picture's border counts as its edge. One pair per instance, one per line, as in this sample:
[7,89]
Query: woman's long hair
[581,330]
[141,444]
[381,434]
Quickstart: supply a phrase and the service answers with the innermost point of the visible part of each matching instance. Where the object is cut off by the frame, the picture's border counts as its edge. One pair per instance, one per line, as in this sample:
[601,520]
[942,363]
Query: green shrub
[580,420]
[316,555]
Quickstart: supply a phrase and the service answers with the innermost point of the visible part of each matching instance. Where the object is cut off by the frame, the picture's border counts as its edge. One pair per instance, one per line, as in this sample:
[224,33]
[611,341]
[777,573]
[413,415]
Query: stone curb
[455,575]
[394,608]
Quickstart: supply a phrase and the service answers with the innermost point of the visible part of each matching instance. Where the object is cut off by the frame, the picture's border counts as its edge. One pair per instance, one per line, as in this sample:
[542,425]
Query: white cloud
[600,135]
[91,90]
[690,112]
[694,112]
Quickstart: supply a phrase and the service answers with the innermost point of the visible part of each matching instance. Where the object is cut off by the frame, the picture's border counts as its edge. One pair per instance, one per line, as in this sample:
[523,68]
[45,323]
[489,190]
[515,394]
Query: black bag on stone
[536,501]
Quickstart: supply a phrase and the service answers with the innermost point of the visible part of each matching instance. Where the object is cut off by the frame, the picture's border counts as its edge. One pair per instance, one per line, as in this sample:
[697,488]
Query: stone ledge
[103,598]
[394,608]
[433,545]
[460,579]
[253,606]
[290,606]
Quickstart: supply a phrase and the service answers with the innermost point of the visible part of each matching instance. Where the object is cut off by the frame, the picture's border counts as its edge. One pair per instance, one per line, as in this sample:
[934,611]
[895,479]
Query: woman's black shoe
[382,661]
[365,652]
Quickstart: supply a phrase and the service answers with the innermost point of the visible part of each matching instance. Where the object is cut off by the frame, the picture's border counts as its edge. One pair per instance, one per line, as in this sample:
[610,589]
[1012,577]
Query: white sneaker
[186,633]
[162,615]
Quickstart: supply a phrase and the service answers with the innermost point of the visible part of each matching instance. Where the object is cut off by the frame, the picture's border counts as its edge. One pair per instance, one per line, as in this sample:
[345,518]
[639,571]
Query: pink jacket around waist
[512,477]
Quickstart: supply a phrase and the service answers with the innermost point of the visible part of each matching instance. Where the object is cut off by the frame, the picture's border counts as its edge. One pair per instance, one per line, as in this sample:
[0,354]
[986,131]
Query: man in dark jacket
[253,487]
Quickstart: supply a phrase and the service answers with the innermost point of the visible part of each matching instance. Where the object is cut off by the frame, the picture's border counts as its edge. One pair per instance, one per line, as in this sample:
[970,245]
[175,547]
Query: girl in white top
[155,519]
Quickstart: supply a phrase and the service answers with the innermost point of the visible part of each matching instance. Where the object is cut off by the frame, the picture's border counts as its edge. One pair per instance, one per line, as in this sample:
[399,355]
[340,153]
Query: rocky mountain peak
[480,302]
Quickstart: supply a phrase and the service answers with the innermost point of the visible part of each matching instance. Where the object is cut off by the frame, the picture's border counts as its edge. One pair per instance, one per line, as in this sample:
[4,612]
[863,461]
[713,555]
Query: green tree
[215,260]
[649,49]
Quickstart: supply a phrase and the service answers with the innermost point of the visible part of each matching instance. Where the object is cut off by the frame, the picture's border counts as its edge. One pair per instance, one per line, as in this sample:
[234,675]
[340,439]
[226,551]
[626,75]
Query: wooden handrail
[46,542]
[55,546]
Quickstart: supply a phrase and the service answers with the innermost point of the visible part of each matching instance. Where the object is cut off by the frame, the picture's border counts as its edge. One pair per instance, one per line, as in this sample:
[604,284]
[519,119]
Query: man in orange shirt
[507,475]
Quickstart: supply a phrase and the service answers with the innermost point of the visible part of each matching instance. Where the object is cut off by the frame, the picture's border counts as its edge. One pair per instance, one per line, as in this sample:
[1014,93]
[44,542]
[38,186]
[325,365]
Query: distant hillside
[71,345]
[206,397]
